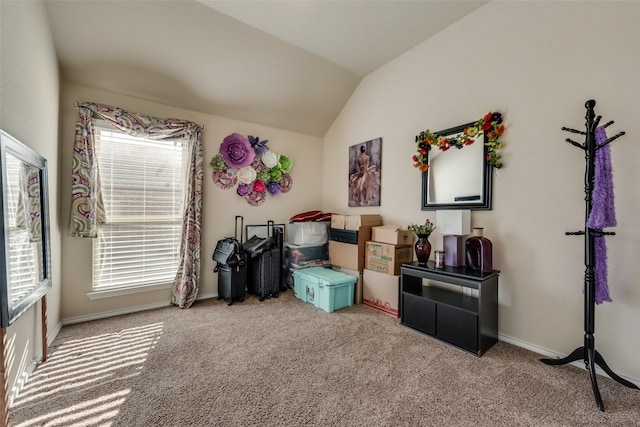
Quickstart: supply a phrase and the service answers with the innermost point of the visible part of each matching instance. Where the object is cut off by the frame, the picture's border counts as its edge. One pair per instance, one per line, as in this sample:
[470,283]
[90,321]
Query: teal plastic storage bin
[327,289]
[300,285]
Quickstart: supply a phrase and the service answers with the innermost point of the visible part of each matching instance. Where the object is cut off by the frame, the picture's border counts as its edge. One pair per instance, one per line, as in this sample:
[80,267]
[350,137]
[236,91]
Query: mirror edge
[8,143]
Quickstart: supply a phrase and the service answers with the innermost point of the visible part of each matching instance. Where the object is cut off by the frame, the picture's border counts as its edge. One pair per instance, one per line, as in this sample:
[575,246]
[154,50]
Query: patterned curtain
[87,208]
[29,204]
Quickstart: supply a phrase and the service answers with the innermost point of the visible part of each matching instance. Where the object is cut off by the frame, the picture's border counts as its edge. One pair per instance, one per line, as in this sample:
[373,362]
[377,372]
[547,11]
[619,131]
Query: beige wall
[537,63]
[219,206]
[29,89]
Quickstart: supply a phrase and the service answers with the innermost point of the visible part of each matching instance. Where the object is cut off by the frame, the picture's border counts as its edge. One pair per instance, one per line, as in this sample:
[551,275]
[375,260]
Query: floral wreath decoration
[490,123]
[253,167]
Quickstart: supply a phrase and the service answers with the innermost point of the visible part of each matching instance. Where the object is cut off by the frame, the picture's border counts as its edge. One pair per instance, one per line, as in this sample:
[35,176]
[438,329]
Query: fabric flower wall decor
[253,167]
[490,123]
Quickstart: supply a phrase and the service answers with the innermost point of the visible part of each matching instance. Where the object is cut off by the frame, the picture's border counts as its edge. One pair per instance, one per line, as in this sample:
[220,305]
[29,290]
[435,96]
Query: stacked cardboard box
[385,253]
[347,245]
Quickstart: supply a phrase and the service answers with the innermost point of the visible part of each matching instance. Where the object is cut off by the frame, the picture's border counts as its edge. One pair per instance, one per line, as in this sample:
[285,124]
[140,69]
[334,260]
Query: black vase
[423,248]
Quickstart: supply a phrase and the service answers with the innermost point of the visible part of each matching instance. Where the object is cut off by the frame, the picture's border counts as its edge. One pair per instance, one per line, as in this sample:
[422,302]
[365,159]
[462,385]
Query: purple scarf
[603,213]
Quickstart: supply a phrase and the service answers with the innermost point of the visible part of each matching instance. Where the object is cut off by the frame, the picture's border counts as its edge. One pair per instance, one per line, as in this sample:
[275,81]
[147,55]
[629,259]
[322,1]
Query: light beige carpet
[283,362]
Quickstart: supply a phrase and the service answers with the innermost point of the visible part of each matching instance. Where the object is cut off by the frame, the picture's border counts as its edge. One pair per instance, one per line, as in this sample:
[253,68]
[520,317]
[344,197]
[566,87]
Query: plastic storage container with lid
[327,289]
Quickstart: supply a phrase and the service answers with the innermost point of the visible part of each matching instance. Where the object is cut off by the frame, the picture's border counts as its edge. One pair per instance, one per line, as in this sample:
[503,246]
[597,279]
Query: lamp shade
[453,222]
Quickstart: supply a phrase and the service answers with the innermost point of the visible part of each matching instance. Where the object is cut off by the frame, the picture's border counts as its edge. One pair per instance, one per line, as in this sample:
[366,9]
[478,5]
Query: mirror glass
[459,178]
[25,262]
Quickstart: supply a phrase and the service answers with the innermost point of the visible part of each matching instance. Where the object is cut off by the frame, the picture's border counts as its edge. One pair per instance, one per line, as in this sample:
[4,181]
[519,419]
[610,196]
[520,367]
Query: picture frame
[365,168]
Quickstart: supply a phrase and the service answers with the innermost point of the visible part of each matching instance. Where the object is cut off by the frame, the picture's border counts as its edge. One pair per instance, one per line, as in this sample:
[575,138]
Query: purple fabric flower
[236,151]
[243,190]
[273,188]
[258,146]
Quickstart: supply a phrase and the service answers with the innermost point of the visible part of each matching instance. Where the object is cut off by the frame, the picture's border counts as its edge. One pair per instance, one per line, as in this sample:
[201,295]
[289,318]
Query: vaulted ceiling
[285,64]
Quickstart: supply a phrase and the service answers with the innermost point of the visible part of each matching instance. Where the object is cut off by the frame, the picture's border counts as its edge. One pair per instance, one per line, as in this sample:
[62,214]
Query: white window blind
[142,190]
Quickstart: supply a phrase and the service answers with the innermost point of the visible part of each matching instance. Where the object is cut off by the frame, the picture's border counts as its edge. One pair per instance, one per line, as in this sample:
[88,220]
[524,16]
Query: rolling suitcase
[264,264]
[231,267]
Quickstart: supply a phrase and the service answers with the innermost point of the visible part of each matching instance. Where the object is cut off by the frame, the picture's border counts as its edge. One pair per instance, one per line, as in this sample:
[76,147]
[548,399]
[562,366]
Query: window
[141,181]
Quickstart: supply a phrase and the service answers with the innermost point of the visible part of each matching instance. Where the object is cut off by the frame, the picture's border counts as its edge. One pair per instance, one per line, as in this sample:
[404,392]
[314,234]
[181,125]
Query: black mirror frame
[8,315]
[485,200]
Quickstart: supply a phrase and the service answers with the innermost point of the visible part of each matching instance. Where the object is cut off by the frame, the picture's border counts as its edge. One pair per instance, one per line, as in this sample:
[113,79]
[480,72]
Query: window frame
[174,220]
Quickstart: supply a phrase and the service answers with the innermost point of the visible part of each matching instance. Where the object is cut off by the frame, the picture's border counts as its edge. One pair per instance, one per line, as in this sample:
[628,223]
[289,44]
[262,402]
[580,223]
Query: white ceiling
[285,64]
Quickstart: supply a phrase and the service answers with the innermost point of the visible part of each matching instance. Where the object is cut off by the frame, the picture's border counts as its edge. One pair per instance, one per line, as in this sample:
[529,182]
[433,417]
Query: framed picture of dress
[365,163]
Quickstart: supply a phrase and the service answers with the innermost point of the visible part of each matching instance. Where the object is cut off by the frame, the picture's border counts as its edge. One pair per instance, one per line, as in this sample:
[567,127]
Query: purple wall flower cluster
[251,166]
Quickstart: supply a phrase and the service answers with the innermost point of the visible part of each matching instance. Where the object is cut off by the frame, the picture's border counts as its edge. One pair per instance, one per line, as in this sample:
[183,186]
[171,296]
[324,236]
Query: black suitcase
[264,264]
[231,267]
[232,280]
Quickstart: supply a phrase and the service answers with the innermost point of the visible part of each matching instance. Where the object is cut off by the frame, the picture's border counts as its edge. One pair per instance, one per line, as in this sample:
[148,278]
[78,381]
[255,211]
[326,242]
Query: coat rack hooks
[608,140]
[587,352]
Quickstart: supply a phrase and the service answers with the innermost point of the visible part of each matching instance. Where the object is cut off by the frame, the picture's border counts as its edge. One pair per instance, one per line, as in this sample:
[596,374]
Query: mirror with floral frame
[457,163]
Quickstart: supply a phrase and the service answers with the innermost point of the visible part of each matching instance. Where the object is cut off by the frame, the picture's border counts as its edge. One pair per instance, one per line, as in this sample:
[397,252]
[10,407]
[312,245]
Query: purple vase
[479,252]
[423,248]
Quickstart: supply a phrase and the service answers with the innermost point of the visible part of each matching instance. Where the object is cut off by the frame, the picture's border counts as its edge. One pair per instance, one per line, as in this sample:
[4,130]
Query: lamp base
[453,250]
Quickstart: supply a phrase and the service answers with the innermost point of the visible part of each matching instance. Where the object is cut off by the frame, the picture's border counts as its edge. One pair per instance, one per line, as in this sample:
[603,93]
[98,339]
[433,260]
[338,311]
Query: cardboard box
[346,255]
[354,222]
[349,255]
[357,294]
[381,291]
[392,234]
[338,221]
[387,258]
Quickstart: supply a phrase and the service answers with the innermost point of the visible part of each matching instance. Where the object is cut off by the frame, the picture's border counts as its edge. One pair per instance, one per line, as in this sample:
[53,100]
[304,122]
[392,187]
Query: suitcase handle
[235,231]
[270,227]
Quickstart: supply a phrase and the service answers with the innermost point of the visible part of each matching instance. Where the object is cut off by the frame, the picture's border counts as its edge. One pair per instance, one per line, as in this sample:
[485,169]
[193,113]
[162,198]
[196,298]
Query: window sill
[126,291]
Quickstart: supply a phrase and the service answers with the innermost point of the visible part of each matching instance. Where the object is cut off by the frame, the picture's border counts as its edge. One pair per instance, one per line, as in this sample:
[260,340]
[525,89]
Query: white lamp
[453,224]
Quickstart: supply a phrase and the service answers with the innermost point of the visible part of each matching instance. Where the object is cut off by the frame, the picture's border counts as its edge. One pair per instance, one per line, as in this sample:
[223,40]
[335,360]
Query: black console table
[467,319]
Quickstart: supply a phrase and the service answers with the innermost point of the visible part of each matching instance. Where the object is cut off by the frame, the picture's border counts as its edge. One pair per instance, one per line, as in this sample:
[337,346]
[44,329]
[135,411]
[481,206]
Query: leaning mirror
[25,263]
[459,177]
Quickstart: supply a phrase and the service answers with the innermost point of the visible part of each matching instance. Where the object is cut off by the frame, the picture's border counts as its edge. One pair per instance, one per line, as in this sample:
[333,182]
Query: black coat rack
[587,352]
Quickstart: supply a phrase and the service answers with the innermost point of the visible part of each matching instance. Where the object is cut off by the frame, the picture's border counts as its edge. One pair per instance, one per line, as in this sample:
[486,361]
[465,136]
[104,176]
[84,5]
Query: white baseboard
[553,355]
[128,310]
[113,313]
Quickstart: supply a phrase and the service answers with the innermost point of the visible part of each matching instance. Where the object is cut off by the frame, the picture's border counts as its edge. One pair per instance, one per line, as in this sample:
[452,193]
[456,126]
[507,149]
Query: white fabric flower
[247,175]
[269,158]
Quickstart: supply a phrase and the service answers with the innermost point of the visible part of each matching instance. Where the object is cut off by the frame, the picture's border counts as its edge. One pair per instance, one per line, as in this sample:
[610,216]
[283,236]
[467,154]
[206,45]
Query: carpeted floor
[283,362]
